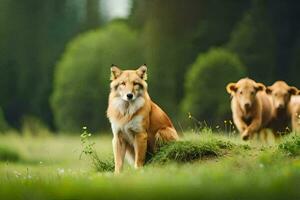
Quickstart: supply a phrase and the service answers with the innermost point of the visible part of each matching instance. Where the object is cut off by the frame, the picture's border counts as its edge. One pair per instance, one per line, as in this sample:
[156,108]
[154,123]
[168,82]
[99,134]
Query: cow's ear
[269,90]
[231,88]
[115,72]
[293,90]
[260,87]
[142,72]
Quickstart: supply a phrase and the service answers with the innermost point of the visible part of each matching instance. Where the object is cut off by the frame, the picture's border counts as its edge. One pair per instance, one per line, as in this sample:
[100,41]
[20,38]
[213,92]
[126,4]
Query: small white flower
[60,171]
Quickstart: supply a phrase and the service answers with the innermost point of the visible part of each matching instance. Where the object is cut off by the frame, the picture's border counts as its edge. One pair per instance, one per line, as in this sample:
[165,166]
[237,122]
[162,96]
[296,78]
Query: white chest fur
[127,129]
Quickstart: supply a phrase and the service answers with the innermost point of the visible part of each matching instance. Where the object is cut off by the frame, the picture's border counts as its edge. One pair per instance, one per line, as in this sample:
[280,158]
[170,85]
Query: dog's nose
[129,96]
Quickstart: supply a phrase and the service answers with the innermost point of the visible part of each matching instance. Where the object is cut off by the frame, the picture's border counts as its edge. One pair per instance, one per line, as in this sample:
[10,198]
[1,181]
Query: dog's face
[245,91]
[281,94]
[129,84]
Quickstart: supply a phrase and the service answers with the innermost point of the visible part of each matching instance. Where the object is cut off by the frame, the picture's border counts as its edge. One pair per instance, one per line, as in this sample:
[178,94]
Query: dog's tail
[165,135]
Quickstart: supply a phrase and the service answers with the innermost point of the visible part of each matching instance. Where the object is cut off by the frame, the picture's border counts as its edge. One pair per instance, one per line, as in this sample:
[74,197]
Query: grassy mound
[8,154]
[290,145]
[188,151]
[184,151]
[179,151]
[191,148]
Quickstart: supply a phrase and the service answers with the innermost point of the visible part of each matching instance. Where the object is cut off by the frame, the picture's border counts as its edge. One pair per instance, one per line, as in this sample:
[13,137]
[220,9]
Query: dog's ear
[293,90]
[142,72]
[269,90]
[231,88]
[260,87]
[115,72]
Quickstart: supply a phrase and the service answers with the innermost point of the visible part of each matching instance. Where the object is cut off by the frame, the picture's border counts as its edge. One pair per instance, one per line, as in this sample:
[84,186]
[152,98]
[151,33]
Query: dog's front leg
[140,148]
[119,149]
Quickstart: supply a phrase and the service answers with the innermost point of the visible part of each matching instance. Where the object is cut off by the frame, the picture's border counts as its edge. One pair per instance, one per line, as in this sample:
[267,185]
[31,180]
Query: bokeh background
[55,56]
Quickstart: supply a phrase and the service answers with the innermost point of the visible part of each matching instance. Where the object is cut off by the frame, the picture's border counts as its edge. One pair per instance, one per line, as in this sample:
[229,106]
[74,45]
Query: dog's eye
[241,92]
[122,83]
[135,83]
[252,93]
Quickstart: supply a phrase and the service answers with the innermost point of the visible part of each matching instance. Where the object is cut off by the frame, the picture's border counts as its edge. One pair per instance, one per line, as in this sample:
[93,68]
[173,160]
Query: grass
[207,166]
[291,145]
[9,154]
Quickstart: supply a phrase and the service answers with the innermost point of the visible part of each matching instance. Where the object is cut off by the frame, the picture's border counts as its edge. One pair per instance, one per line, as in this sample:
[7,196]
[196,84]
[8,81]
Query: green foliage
[30,44]
[167,37]
[9,154]
[212,31]
[291,145]
[81,82]
[253,40]
[3,124]
[205,82]
[89,151]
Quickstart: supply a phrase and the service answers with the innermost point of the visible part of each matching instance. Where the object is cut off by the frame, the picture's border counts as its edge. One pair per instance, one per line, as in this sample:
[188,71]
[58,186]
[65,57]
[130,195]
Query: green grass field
[205,165]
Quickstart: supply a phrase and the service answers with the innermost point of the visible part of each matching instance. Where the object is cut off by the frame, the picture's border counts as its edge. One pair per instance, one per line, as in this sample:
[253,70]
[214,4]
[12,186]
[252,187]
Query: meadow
[201,165]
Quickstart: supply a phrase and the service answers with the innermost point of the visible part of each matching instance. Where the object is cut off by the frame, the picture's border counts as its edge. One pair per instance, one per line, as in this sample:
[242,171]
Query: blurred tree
[205,82]
[33,35]
[174,32]
[254,41]
[294,75]
[92,19]
[82,75]
[3,124]
[284,20]
[266,38]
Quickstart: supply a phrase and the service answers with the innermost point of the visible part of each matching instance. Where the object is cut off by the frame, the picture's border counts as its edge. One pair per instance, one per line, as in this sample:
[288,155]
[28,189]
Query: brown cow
[250,105]
[281,94]
[295,111]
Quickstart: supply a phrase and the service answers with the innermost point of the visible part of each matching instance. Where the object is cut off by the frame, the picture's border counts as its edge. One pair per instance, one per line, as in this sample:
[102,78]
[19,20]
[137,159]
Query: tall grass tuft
[90,152]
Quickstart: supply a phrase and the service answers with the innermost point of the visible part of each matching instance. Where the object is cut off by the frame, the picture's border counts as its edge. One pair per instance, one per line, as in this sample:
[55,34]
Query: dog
[137,122]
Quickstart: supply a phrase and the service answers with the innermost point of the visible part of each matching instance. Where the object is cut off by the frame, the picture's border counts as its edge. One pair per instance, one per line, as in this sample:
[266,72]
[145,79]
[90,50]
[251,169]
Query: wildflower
[60,171]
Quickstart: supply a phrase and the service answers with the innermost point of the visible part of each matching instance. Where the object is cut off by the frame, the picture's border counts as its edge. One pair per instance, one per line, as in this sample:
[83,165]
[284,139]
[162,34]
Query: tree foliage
[81,82]
[205,82]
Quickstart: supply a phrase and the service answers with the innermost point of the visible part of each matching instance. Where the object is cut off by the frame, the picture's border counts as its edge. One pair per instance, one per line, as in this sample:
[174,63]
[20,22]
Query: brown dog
[137,123]
[281,94]
[250,105]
